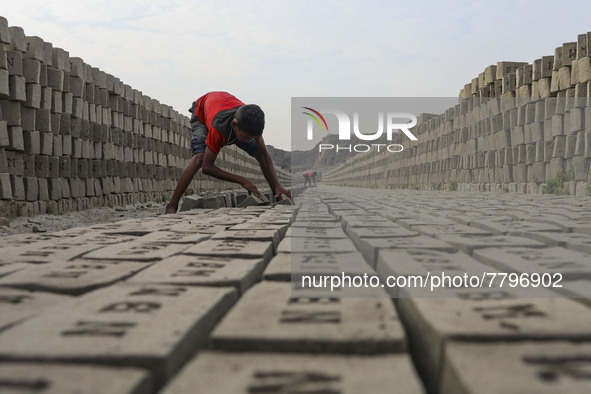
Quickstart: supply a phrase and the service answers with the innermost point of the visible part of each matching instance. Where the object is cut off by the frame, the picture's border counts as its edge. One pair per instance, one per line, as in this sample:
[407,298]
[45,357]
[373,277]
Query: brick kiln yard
[201,301]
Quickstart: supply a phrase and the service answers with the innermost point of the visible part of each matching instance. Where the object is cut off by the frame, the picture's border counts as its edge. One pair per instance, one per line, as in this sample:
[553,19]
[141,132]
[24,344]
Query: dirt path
[48,223]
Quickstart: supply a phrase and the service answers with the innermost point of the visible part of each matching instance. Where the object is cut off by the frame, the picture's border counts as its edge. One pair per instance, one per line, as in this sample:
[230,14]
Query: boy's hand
[251,188]
[281,190]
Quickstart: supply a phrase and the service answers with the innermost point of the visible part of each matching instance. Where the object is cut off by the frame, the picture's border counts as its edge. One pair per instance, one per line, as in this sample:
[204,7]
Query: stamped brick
[307,232]
[173,237]
[11,241]
[230,220]
[311,216]
[370,247]
[250,235]
[315,245]
[469,244]
[433,323]
[549,367]
[142,326]
[411,223]
[321,325]
[578,290]
[576,241]
[7,268]
[71,277]
[137,251]
[233,248]
[569,263]
[517,228]
[317,225]
[443,229]
[424,263]
[58,378]
[253,226]
[271,373]
[192,228]
[17,305]
[203,271]
[270,219]
[252,200]
[61,249]
[290,266]
[393,231]
[100,238]
[366,222]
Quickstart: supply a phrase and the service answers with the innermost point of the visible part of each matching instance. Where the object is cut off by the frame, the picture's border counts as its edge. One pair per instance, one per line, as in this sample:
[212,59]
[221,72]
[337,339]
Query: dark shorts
[200,136]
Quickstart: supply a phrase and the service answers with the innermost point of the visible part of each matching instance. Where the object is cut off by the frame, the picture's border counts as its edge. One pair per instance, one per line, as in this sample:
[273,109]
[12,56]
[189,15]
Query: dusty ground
[49,223]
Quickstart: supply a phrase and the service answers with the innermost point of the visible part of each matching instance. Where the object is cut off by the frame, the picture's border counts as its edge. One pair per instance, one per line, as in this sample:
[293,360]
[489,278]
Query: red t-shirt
[206,109]
[309,174]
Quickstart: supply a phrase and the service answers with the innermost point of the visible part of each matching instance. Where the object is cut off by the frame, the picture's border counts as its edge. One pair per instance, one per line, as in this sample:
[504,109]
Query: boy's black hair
[251,119]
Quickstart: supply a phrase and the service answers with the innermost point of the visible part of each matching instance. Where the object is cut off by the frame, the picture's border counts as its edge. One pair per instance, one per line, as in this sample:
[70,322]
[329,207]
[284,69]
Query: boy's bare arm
[209,168]
[266,163]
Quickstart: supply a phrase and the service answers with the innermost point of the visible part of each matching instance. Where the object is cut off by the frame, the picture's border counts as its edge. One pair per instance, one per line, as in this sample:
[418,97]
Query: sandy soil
[49,223]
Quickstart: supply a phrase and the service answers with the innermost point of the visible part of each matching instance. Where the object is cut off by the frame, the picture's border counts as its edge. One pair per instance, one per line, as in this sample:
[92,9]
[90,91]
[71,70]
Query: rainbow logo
[315,118]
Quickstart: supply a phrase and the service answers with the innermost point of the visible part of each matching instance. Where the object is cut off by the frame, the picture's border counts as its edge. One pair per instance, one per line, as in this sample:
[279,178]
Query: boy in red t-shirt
[219,119]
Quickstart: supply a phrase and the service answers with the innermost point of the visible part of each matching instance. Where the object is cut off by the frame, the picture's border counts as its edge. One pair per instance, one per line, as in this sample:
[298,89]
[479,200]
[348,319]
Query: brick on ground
[145,326]
[260,372]
[547,367]
[217,271]
[322,325]
[55,378]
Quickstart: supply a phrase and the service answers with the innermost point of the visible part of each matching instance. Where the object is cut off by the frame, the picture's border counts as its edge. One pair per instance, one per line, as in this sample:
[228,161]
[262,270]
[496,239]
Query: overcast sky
[266,52]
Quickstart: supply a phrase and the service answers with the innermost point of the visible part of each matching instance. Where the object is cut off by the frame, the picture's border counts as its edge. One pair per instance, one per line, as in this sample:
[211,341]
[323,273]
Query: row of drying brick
[56,108]
[266,319]
[416,234]
[556,120]
[171,290]
[566,73]
[530,142]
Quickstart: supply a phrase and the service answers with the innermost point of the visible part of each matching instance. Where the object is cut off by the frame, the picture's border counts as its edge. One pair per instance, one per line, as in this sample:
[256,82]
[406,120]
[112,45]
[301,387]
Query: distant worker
[219,119]
[310,176]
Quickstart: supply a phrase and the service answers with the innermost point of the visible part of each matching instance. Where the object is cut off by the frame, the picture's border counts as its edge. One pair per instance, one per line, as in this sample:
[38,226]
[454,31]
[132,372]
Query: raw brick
[17,39]
[17,90]
[15,136]
[32,70]
[15,62]
[11,112]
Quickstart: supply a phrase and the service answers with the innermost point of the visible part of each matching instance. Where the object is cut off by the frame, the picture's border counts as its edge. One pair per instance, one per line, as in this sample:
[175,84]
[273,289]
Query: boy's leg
[198,149]
[184,182]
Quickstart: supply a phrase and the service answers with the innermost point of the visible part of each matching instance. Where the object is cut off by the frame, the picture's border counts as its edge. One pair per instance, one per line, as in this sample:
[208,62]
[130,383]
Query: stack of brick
[515,128]
[549,76]
[74,137]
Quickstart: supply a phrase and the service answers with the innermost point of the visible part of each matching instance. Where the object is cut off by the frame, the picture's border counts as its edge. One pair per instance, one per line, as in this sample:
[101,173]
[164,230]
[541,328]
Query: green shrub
[556,185]
[453,186]
[50,210]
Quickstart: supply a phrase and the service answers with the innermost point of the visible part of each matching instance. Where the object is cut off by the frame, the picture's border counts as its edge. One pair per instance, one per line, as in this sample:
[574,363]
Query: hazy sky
[265,52]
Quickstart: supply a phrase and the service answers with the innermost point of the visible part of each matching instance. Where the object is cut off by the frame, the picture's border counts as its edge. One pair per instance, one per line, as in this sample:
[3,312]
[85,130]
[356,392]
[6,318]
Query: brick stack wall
[516,126]
[74,137]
